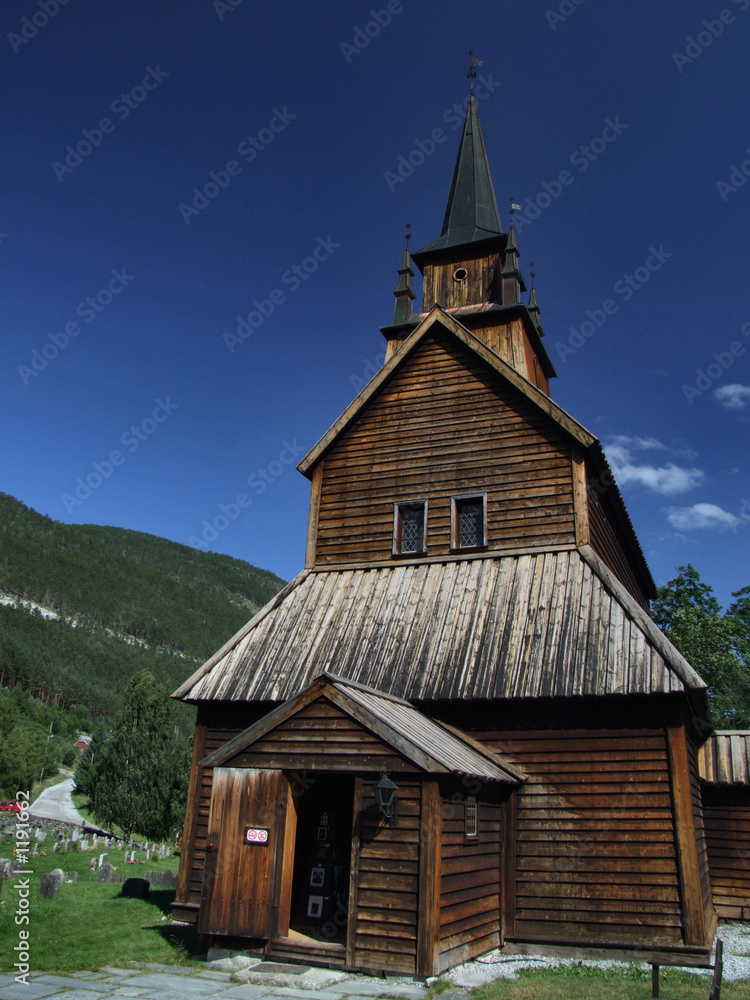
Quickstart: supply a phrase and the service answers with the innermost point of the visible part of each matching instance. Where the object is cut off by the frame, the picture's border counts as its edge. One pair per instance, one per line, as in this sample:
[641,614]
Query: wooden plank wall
[321,736]
[595,849]
[480,285]
[408,444]
[701,840]
[470,886]
[727,820]
[605,540]
[385,930]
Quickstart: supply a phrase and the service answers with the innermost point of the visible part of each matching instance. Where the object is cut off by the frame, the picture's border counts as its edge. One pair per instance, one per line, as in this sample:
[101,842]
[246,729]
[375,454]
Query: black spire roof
[471,214]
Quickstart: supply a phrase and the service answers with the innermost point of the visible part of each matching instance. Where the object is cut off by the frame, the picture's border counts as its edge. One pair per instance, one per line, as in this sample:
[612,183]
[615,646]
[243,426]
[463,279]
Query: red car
[10,805]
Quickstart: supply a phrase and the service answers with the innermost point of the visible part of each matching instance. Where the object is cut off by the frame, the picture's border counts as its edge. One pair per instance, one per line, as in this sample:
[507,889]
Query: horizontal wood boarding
[605,540]
[322,736]
[595,842]
[470,887]
[727,823]
[385,935]
[445,425]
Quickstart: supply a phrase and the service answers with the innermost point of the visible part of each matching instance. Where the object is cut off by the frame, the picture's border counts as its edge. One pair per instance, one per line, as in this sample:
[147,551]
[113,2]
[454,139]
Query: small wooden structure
[472,621]
[725,786]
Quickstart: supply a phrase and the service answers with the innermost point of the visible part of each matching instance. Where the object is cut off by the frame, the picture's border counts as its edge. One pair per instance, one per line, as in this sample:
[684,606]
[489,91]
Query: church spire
[471,214]
[403,291]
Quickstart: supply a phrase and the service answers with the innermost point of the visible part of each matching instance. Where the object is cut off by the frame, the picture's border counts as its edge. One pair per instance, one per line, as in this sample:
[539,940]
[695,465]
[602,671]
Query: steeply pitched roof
[539,624]
[471,214]
[429,745]
[724,759]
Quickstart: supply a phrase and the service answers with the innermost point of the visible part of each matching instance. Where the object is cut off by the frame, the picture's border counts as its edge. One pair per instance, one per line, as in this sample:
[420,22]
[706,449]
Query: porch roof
[433,746]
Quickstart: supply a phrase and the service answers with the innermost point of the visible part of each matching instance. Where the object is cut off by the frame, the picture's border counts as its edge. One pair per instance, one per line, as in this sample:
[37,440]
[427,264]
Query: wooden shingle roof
[431,745]
[724,759]
[540,624]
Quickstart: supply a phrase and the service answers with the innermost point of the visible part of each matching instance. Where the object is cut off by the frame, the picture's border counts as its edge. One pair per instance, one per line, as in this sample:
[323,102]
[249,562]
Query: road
[55,803]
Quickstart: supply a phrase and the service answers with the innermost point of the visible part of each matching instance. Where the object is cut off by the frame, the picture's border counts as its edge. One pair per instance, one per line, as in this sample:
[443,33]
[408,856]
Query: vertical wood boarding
[595,839]
[238,900]
[428,927]
[385,933]
[314,516]
[686,836]
[607,541]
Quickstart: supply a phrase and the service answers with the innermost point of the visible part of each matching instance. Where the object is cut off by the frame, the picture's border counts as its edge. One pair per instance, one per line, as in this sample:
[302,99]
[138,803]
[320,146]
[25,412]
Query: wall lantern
[385,793]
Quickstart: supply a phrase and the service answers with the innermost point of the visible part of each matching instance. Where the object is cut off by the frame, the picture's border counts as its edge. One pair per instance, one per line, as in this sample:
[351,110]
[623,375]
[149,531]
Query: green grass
[89,925]
[578,982]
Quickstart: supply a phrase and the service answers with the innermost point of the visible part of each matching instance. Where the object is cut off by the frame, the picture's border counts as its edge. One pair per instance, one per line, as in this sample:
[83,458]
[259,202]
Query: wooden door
[245,839]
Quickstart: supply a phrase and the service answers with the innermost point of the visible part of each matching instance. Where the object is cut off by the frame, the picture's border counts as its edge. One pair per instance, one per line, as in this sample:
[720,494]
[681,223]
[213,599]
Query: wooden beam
[580,498]
[428,918]
[508,880]
[693,915]
[351,927]
[312,524]
[191,816]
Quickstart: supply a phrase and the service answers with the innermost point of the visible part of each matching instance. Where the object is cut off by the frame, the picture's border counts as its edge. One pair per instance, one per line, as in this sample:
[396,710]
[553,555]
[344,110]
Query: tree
[138,780]
[717,645]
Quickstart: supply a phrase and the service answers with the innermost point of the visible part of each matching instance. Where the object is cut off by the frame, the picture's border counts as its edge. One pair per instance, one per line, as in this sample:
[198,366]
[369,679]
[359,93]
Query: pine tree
[139,778]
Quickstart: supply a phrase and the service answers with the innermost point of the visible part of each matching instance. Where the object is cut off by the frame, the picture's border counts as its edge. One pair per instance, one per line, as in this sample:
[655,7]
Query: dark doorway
[320,888]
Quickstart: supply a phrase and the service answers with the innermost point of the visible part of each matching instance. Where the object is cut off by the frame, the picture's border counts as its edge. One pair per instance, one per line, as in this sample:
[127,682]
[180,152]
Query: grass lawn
[578,982]
[89,925]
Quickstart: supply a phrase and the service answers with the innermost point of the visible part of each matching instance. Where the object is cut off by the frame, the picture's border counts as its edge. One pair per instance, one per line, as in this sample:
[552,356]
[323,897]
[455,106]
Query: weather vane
[473,63]
[408,234]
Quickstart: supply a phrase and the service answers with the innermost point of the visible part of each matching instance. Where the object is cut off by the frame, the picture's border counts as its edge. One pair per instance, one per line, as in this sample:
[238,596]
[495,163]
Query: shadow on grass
[183,940]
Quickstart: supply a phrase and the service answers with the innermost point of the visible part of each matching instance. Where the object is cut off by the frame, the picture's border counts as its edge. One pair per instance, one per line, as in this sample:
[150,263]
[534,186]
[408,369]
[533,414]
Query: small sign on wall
[257,834]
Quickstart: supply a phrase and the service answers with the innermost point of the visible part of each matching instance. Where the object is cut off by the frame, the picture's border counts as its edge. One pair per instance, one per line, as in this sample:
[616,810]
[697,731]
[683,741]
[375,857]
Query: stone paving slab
[127,991]
[88,975]
[225,977]
[30,992]
[151,981]
[250,992]
[111,971]
[63,982]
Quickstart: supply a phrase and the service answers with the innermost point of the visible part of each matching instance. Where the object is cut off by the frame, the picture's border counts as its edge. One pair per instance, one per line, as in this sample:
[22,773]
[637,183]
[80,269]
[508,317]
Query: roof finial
[533,303]
[472,74]
[408,234]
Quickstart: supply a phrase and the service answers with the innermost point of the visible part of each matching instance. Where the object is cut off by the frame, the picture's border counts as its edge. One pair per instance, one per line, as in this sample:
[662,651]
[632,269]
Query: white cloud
[668,479]
[701,515]
[733,397]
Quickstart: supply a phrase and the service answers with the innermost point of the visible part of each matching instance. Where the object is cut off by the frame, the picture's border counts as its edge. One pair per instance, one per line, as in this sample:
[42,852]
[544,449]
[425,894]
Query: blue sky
[202,218]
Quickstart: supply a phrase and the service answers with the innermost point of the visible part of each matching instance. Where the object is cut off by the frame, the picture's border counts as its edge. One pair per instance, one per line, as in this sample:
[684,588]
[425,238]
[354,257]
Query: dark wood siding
[470,882]
[481,283]
[444,425]
[595,847]
[700,840]
[321,736]
[385,925]
[606,540]
[726,813]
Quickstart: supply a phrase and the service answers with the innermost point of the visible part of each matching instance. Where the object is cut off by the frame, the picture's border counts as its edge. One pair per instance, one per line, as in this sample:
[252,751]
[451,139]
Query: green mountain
[85,607]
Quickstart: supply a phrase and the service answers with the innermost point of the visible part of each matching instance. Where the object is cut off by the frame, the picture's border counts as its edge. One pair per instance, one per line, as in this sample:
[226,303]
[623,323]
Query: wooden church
[458,727]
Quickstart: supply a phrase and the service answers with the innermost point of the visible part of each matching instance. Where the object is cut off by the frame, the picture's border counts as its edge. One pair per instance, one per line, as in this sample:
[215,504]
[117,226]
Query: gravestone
[135,888]
[54,847]
[84,844]
[102,860]
[164,880]
[36,848]
[39,833]
[5,864]
[107,873]
[71,876]
[49,886]
[76,834]
[148,855]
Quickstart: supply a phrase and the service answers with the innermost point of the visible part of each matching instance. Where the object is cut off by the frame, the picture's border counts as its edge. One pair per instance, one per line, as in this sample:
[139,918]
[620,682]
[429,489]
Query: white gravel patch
[496,965]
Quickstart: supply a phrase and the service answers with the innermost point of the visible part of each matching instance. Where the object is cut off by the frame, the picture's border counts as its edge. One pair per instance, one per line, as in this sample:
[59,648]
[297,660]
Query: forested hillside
[123,601]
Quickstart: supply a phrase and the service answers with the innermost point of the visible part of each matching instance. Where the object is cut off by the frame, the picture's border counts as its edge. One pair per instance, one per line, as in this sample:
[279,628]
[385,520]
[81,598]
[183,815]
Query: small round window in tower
[460,274]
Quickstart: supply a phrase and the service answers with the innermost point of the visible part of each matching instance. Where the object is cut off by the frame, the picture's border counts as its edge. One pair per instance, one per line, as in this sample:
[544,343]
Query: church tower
[472,271]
